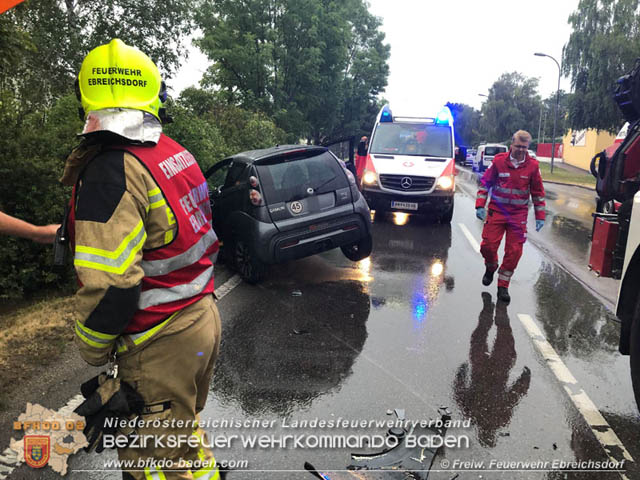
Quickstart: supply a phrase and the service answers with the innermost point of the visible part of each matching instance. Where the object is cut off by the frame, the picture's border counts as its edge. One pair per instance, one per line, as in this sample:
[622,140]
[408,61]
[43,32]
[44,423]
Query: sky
[452,50]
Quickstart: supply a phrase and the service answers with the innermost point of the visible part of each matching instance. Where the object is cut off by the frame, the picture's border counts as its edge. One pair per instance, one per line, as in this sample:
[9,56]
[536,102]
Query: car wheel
[358,250]
[250,268]
[635,353]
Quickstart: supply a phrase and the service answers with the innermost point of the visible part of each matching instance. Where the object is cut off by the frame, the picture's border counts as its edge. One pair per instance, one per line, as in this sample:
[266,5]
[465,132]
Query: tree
[466,121]
[513,104]
[57,35]
[602,47]
[316,66]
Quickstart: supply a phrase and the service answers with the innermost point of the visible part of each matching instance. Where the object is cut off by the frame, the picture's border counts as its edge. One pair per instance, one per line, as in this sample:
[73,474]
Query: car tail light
[253,181]
[255,197]
[481,156]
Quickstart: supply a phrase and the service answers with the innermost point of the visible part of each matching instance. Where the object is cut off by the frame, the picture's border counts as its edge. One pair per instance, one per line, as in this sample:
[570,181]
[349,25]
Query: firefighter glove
[481,213]
[107,400]
[539,225]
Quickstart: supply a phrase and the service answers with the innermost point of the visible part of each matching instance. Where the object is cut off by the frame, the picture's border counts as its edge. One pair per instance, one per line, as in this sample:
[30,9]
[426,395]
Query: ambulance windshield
[412,139]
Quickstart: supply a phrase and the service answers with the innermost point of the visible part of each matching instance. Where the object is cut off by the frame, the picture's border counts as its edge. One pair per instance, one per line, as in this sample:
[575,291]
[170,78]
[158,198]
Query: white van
[410,165]
[485,154]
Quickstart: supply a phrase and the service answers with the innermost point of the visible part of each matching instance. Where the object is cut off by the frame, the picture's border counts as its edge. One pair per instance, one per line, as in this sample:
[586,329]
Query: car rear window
[494,150]
[290,179]
[412,139]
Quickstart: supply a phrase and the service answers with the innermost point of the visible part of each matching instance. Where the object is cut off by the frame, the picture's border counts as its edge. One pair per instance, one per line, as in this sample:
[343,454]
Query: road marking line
[472,241]
[9,460]
[227,286]
[599,426]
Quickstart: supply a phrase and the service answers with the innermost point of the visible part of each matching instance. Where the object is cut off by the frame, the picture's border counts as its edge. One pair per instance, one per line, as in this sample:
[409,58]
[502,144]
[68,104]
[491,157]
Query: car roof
[251,156]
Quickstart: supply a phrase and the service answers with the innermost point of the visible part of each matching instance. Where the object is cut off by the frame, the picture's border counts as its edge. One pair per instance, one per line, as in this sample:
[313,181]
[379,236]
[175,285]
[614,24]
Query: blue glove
[539,225]
[481,213]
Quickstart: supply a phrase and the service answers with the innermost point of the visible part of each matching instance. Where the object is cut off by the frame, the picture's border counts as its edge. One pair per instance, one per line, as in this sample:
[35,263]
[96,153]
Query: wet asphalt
[412,328]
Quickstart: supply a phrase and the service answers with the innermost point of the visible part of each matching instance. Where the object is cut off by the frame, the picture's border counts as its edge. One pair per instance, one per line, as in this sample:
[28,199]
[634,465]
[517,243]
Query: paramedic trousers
[515,227]
[172,370]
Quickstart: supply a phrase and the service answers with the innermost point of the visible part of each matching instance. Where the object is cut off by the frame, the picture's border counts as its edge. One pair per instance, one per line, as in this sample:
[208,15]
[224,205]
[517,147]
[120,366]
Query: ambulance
[410,165]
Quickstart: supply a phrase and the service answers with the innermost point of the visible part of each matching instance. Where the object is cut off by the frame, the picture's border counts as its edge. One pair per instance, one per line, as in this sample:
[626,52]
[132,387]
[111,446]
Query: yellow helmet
[116,75]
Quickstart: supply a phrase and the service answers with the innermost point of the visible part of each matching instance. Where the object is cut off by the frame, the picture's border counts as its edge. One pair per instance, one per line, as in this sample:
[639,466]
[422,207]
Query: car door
[220,206]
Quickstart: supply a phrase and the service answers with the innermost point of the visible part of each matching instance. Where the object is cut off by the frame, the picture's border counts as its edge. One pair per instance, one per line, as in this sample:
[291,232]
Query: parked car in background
[285,203]
[485,154]
[471,154]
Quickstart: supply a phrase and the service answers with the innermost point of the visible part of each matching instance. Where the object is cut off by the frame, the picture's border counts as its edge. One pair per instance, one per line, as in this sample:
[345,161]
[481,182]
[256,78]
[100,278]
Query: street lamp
[555,115]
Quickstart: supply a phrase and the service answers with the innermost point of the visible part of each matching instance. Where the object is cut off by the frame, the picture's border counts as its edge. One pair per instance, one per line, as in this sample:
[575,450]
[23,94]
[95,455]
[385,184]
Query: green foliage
[50,38]
[212,129]
[466,121]
[315,66]
[602,47]
[513,104]
[32,156]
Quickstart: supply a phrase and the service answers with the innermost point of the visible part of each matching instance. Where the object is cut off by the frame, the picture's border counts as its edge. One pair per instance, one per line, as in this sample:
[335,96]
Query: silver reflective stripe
[538,199]
[500,199]
[503,277]
[505,174]
[506,273]
[512,190]
[539,209]
[155,268]
[156,198]
[112,260]
[482,195]
[158,296]
[517,201]
[214,256]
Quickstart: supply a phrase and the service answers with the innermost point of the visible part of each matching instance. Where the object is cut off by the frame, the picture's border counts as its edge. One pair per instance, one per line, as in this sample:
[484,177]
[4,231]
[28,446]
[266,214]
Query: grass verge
[563,175]
[32,338]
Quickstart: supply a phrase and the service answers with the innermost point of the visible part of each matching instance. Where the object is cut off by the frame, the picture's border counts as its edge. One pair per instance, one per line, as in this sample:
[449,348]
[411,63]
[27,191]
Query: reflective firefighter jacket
[143,244]
[511,187]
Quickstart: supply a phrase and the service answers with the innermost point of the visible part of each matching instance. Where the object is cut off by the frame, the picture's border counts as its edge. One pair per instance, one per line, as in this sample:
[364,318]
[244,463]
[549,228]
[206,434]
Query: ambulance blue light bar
[444,117]
[386,115]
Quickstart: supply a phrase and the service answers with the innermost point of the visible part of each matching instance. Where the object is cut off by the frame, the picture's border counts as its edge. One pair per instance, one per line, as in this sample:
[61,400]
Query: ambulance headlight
[445,183]
[369,178]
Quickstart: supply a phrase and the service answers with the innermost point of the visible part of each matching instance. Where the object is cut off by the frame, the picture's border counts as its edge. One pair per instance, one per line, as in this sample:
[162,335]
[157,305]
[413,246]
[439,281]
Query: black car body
[285,203]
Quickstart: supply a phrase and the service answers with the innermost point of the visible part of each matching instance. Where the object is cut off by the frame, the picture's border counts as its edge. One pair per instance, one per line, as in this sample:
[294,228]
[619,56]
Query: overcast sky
[452,50]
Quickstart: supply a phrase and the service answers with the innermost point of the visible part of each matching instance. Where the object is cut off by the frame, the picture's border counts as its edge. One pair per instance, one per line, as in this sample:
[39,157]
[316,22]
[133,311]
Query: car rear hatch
[490,152]
[304,189]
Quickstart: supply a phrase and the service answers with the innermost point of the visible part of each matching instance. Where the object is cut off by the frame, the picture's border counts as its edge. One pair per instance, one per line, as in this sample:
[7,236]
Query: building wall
[579,148]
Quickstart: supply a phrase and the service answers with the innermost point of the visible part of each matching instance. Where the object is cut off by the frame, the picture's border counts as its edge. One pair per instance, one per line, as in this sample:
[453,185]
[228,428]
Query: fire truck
[615,247]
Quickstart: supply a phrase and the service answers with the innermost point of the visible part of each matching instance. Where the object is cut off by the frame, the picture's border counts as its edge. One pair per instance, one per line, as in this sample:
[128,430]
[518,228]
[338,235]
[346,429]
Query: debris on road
[296,293]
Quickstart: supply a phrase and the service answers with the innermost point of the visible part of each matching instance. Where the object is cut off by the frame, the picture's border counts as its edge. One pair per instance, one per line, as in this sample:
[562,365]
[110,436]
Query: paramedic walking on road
[512,178]
[140,229]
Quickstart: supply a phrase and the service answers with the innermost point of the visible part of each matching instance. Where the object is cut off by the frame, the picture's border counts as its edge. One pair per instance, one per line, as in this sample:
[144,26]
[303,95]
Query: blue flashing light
[386,116]
[444,117]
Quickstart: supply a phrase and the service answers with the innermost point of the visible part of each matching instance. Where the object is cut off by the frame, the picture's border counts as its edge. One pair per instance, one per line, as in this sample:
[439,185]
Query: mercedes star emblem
[406,182]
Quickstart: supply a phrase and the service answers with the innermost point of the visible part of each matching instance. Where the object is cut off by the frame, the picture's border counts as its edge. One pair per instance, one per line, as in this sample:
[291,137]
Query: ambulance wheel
[635,353]
[359,250]
[250,268]
[446,216]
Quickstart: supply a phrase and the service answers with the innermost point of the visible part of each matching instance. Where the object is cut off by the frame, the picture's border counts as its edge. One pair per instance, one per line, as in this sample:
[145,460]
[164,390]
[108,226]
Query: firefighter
[512,178]
[144,250]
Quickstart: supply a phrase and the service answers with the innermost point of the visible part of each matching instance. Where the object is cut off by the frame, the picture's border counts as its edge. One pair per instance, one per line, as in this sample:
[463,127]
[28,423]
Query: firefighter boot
[503,294]
[487,278]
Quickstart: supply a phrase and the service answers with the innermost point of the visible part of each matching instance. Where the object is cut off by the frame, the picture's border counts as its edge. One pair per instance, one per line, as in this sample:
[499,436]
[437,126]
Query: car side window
[234,175]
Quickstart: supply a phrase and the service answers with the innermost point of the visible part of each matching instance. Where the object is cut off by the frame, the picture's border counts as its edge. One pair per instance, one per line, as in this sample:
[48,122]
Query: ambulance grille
[418,184]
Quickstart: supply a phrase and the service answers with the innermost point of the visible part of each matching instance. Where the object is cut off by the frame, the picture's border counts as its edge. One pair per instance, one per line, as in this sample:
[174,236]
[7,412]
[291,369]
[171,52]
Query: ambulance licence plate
[404,205]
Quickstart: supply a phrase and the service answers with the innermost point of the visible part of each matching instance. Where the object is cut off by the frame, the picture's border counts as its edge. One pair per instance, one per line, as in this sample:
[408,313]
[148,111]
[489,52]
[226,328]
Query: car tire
[635,353]
[446,216]
[250,268]
[359,250]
